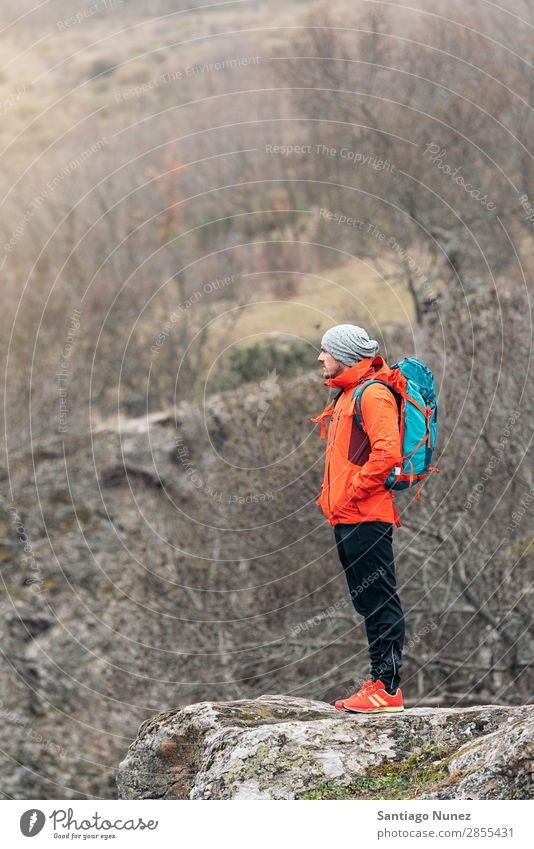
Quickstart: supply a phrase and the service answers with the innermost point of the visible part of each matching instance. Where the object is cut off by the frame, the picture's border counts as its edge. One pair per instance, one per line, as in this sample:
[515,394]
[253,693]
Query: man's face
[331,367]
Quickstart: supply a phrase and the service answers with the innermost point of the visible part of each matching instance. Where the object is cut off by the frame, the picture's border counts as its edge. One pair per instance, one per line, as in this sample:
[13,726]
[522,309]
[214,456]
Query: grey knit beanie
[349,344]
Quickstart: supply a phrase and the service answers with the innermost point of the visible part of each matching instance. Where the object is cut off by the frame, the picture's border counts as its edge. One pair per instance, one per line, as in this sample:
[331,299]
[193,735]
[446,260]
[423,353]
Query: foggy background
[191,195]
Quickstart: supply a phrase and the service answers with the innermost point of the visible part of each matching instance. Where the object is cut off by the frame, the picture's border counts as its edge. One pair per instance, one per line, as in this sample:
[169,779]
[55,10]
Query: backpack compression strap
[327,412]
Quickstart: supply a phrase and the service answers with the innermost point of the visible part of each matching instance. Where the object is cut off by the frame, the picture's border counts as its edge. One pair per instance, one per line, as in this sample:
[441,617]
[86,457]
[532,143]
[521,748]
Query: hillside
[191,194]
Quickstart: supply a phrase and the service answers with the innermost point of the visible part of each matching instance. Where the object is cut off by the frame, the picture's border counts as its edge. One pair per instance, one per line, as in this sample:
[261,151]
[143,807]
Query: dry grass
[143,47]
[352,293]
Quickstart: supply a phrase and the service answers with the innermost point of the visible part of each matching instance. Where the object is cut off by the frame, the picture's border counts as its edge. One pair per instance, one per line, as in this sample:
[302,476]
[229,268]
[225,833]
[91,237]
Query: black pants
[366,553]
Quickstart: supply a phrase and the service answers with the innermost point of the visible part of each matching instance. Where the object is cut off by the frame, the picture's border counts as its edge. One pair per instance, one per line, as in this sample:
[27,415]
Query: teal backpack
[412,384]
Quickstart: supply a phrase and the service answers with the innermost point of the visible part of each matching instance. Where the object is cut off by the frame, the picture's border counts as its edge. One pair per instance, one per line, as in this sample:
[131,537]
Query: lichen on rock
[279,747]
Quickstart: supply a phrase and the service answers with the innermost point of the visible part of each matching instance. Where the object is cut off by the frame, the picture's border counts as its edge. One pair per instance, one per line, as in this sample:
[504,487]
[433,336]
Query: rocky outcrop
[278,747]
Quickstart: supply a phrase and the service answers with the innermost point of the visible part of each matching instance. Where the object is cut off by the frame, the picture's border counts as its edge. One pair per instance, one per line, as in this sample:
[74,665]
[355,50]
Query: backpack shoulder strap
[357,397]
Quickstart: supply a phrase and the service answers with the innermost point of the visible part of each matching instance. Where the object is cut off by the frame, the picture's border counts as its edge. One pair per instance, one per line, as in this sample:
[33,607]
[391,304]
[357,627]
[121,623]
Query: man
[355,501]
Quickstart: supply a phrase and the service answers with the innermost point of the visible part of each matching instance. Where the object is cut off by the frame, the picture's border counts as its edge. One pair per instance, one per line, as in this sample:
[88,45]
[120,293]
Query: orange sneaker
[368,685]
[373,699]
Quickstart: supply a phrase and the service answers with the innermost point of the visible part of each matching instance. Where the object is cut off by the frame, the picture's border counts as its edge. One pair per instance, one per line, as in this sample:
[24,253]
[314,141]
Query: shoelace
[365,688]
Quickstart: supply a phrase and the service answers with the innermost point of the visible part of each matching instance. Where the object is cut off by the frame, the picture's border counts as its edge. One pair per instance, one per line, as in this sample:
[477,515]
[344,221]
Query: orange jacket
[357,463]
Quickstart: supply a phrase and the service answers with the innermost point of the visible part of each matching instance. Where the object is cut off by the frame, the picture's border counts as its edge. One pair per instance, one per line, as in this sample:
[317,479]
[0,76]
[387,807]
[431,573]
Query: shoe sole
[373,710]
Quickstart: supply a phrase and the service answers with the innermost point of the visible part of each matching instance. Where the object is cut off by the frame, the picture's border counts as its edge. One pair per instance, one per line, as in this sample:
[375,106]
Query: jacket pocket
[369,506]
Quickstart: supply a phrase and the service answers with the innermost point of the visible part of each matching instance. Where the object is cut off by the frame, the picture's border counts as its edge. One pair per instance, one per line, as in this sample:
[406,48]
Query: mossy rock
[406,779]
